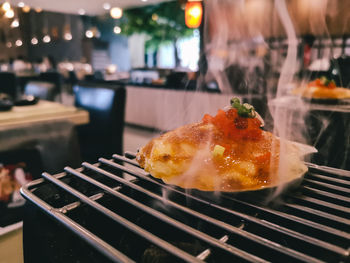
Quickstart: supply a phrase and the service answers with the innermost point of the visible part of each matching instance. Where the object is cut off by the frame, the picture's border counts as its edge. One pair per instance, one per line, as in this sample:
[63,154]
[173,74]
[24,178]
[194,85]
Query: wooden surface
[42,112]
[11,248]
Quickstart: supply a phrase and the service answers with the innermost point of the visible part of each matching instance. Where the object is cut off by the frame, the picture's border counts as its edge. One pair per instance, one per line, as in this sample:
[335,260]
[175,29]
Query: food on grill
[7,184]
[12,177]
[227,152]
[322,88]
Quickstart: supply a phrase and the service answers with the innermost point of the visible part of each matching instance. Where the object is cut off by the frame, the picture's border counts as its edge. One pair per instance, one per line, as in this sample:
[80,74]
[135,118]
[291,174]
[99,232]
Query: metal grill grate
[309,224]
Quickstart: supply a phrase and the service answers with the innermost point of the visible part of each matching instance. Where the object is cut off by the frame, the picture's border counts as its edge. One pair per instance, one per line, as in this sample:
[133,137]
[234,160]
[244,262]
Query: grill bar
[207,252]
[310,225]
[329,179]
[323,205]
[298,236]
[161,216]
[292,218]
[277,247]
[339,189]
[134,228]
[336,219]
[74,205]
[102,246]
[335,197]
[294,234]
[329,170]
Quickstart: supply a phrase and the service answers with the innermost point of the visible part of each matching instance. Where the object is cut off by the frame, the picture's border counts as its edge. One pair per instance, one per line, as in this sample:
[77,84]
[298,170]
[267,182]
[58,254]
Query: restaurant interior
[84,85]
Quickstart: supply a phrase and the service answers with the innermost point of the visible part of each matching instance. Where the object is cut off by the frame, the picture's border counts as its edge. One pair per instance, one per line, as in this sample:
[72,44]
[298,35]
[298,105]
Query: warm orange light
[26,9]
[193,14]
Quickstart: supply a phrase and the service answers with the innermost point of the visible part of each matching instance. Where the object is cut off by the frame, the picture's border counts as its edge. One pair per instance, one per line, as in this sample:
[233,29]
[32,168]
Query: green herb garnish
[244,110]
[324,81]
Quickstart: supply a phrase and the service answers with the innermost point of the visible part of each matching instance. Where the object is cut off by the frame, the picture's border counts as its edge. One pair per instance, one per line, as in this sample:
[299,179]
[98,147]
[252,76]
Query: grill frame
[214,243]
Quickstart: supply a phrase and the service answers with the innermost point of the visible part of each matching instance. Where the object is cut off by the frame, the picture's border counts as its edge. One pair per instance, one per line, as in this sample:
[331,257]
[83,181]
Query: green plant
[164,24]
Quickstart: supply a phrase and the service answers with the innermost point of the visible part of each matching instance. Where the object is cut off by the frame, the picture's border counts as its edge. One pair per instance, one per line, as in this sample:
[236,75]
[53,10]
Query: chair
[341,67]
[103,136]
[96,76]
[55,78]
[8,84]
[72,78]
[41,89]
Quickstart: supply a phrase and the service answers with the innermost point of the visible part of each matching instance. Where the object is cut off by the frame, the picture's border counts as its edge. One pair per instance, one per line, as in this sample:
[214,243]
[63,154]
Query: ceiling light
[21,4]
[19,43]
[34,41]
[9,13]
[38,10]
[81,12]
[144,0]
[106,6]
[116,12]
[68,36]
[117,30]
[6,6]
[193,14]
[26,9]
[15,23]
[89,34]
[46,39]
[9,44]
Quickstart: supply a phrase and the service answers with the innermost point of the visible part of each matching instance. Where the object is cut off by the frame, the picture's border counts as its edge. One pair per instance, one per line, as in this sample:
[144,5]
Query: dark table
[325,126]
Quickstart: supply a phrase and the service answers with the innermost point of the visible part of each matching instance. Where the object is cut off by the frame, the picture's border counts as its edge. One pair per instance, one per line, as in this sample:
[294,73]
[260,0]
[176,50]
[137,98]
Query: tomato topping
[241,123]
[207,118]
[235,127]
[323,82]
[332,85]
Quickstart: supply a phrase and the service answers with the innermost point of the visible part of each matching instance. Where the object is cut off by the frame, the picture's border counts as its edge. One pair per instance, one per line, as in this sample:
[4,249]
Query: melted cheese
[183,157]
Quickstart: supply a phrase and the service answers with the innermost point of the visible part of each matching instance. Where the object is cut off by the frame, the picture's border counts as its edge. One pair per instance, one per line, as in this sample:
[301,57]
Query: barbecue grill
[98,214]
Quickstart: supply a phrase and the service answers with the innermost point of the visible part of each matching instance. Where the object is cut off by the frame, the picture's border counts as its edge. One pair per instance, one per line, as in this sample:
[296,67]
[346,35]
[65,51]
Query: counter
[11,248]
[166,109]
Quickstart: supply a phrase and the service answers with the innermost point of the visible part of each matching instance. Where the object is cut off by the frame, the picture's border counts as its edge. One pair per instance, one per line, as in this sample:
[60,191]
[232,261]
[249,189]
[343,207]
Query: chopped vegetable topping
[244,110]
[323,82]
[218,151]
[234,126]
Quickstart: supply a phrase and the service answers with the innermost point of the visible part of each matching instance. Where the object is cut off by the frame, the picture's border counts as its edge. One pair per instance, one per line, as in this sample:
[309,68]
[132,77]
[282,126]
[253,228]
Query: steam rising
[289,66]
[283,119]
[236,39]
[242,58]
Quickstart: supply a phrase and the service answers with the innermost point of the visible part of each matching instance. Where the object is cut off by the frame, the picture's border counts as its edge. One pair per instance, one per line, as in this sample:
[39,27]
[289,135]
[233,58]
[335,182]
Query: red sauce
[234,126]
[319,83]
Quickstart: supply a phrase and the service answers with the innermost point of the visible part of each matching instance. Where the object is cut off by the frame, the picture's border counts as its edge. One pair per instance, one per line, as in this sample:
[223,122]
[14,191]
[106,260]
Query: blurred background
[150,42]
[174,61]
[97,38]
[83,79]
